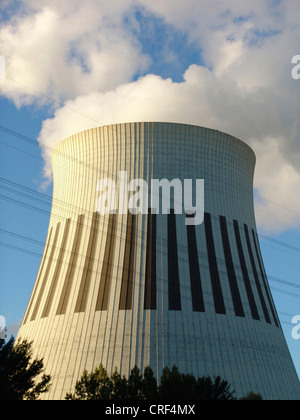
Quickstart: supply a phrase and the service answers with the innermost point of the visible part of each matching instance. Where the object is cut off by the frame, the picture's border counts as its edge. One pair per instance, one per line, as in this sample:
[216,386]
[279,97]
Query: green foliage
[252,396]
[177,386]
[214,390]
[149,384]
[93,386]
[134,385]
[119,386]
[98,386]
[174,386]
[22,378]
[19,373]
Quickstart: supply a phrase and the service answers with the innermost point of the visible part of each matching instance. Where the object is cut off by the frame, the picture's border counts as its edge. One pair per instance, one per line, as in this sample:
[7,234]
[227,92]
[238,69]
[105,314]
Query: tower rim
[157,122]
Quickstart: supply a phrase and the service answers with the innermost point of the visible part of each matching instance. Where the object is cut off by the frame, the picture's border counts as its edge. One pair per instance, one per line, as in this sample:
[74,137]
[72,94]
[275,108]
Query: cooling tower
[151,288]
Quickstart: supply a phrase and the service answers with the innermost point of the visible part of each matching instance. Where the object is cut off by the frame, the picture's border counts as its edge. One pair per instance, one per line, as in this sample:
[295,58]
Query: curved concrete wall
[128,290]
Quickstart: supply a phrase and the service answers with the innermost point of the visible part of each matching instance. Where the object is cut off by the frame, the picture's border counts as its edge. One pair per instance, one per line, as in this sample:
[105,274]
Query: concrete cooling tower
[160,287]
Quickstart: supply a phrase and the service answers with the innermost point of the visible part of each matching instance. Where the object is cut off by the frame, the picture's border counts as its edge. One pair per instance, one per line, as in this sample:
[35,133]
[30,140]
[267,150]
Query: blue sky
[223,65]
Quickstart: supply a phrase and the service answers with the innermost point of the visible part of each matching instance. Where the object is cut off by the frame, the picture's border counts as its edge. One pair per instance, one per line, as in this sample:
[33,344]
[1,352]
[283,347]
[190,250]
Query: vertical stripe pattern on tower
[90,260]
[150,277]
[195,277]
[213,267]
[248,287]
[107,268]
[46,275]
[128,266]
[263,276]
[45,257]
[254,270]
[58,267]
[73,265]
[173,269]
[234,288]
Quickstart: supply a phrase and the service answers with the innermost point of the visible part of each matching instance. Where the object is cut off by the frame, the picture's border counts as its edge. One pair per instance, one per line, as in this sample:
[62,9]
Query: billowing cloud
[66,49]
[279,181]
[91,56]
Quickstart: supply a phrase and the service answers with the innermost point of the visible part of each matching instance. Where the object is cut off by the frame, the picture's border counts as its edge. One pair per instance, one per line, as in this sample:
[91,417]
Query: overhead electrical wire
[99,123]
[55,101]
[185,260]
[48,198]
[160,281]
[141,234]
[80,162]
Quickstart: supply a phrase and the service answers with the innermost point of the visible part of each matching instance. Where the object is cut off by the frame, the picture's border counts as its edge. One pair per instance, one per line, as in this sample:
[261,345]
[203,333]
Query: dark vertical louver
[258,285]
[128,266]
[196,286]
[65,294]
[57,271]
[150,279]
[264,277]
[88,266]
[45,279]
[213,267]
[105,280]
[45,257]
[235,293]
[173,269]
[249,291]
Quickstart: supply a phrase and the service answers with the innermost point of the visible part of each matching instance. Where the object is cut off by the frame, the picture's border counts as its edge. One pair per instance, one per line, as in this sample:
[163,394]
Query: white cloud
[87,55]
[64,51]
[278,182]
[201,99]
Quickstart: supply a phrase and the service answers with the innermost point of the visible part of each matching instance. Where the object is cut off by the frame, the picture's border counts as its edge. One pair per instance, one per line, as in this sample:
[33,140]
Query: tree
[177,386]
[134,385]
[149,385]
[21,378]
[99,386]
[94,386]
[252,396]
[213,390]
[119,386]
[174,386]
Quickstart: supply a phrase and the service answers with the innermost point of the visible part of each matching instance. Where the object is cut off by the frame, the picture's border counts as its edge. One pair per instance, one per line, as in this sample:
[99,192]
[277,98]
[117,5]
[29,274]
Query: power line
[80,162]
[287,283]
[46,200]
[140,232]
[160,280]
[280,243]
[277,204]
[220,260]
[275,289]
[54,100]
[102,124]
